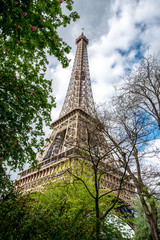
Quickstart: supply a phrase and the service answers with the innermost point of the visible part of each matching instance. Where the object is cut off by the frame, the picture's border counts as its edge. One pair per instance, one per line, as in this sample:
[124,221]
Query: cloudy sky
[120,32]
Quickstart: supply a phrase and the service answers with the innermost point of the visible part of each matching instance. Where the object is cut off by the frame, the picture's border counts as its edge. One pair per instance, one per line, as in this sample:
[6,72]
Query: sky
[120,33]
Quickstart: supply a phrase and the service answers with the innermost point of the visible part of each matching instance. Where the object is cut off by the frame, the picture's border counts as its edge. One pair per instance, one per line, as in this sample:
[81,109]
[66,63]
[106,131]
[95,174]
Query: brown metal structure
[79,93]
[78,109]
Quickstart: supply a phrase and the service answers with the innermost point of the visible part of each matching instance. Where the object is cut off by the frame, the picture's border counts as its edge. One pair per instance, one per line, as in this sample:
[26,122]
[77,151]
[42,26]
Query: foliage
[28,32]
[61,211]
[13,212]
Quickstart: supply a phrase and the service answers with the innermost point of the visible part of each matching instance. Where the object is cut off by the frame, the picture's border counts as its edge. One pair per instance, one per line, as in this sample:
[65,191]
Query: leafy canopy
[28,32]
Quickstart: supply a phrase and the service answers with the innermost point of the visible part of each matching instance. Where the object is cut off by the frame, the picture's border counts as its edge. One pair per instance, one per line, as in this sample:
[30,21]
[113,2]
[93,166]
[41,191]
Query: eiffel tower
[78,101]
[78,108]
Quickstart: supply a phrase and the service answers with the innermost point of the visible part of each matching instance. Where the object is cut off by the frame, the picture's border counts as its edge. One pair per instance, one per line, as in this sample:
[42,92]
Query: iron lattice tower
[78,109]
[78,104]
[79,93]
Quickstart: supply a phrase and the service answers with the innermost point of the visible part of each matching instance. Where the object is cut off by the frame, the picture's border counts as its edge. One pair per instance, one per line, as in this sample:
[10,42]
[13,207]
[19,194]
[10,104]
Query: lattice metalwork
[78,101]
[63,136]
[79,93]
[70,133]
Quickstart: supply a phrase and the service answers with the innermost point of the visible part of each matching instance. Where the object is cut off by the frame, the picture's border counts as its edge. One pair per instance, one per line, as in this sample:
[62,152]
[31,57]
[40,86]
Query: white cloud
[148,11]
[153,155]
[109,25]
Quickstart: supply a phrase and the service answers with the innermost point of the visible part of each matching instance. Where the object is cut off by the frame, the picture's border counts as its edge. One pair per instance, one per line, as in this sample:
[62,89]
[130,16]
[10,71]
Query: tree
[93,163]
[130,126]
[28,32]
[142,87]
[129,132]
[13,212]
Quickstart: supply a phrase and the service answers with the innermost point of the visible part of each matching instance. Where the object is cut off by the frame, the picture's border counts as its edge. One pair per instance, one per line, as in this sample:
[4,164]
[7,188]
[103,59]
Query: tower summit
[79,93]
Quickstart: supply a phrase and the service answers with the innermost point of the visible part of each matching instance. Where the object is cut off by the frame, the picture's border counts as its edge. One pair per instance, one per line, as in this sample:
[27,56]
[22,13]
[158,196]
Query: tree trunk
[98,224]
[154,227]
[152,217]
